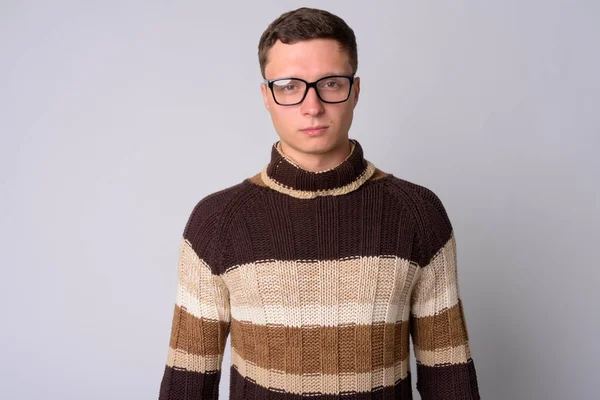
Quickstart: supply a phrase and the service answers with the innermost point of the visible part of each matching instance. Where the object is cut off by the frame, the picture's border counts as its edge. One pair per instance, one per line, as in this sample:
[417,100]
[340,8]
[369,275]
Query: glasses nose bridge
[314,86]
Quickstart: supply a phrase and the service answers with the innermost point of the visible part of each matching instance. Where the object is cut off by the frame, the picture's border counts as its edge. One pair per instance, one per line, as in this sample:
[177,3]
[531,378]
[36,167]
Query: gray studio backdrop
[117,117]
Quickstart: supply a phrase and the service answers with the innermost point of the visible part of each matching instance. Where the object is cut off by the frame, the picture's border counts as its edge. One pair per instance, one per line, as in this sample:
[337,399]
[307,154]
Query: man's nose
[312,104]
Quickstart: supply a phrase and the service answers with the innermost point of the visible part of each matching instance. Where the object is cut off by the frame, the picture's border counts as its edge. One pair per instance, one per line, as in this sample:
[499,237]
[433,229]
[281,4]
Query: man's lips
[314,130]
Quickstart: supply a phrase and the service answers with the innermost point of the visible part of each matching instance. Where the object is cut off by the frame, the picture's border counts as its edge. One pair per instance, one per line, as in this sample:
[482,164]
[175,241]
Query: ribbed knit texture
[321,279]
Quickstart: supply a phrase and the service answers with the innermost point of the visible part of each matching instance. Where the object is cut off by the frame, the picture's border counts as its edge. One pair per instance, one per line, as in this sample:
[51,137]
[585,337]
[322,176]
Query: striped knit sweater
[320,279]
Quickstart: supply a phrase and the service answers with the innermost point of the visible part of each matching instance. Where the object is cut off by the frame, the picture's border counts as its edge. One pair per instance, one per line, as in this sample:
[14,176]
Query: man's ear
[356,90]
[264,91]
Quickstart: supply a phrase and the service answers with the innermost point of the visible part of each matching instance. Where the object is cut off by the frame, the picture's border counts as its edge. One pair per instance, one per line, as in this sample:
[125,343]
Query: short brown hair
[307,23]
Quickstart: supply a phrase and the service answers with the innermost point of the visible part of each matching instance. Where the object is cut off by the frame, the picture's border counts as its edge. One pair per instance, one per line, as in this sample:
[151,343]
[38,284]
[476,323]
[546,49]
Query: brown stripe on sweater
[426,330]
[328,350]
[319,383]
[200,336]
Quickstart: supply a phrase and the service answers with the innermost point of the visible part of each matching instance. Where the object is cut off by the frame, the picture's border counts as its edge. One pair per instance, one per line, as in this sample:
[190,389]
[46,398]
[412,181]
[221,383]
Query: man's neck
[317,162]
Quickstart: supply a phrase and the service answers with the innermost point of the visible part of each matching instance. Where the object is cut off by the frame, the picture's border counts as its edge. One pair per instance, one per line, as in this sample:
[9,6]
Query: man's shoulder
[412,191]
[204,227]
[430,216]
[219,201]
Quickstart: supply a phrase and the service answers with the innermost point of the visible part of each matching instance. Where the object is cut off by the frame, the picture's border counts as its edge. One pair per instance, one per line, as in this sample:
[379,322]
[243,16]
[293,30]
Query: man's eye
[330,85]
[288,87]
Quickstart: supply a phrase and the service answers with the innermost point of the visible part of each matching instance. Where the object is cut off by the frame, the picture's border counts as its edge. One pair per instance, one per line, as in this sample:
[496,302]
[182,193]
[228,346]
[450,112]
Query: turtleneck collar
[286,176]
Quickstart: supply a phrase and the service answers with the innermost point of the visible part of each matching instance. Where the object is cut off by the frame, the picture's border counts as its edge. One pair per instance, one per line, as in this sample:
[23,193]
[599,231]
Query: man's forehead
[307,59]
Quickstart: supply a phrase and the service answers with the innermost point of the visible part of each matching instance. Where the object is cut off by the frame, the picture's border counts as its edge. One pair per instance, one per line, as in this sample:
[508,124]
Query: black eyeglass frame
[269,83]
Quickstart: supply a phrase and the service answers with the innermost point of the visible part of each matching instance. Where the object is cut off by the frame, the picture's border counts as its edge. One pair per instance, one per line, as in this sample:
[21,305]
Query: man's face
[310,60]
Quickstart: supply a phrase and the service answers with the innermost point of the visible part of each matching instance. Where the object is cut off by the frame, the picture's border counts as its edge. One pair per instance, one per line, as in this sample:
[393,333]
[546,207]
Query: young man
[321,266]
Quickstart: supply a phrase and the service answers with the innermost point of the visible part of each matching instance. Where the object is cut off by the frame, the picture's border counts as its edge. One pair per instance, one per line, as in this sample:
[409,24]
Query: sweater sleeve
[445,368]
[201,318]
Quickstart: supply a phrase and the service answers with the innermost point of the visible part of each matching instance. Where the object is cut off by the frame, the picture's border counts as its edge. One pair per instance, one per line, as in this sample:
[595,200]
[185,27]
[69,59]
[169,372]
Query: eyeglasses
[292,91]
